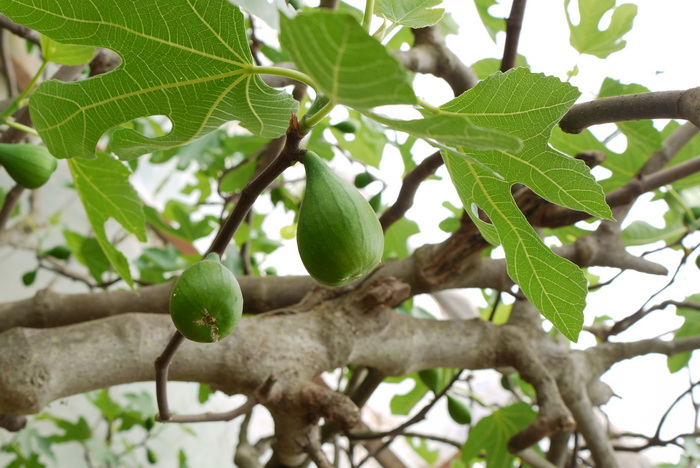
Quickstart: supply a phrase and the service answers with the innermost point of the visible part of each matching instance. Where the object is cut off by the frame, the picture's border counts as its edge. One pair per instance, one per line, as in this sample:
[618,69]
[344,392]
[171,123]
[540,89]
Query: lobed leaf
[186,59]
[587,38]
[526,105]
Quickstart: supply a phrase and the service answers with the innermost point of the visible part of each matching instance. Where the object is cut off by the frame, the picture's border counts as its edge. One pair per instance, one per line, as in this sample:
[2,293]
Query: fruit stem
[285,72]
[367,18]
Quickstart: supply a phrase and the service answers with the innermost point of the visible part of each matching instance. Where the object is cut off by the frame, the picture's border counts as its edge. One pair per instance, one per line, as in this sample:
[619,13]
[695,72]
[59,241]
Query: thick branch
[683,104]
[430,54]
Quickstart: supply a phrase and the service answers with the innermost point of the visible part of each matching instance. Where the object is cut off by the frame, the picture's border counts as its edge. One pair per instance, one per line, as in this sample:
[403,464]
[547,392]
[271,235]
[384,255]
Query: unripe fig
[346,126]
[28,165]
[458,411]
[206,302]
[338,235]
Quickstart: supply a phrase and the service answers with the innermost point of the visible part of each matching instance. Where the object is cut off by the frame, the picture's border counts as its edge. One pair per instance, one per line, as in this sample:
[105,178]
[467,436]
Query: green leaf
[455,130]
[587,38]
[493,24]
[109,408]
[77,431]
[410,13]
[367,144]
[186,59]
[690,327]
[237,178]
[65,54]
[491,434]
[349,66]
[534,104]
[29,277]
[403,404]
[204,393]
[104,188]
[489,66]
[88,252]
[396,238]
[420,446]
[689,151]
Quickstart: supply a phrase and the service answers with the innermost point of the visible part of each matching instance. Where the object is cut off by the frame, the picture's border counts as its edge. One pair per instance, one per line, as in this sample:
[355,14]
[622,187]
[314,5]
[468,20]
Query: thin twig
[11,200]
[19,30]
[408,189]
[513,27]
[162,365]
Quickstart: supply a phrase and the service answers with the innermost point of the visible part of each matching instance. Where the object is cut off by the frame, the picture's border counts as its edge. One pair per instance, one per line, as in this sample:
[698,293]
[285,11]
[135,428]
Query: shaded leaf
[491,435]
[186,59]
[104,188]
[349,66]
[88,252]
[690,327]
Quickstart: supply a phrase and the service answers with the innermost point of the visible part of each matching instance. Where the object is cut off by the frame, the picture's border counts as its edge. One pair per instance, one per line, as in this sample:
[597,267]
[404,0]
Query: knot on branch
[384,293]
[12,423]
[332,406]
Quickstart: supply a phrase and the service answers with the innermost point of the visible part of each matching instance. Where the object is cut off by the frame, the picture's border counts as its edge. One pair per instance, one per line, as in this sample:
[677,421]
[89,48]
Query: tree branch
[683,104]
[409,188]
[513,27]
[430,55]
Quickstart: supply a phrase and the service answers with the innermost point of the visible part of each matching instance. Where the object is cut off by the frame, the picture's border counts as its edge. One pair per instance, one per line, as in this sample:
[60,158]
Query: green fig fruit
[28,165]
[459,412]
[339,237]
[206,302]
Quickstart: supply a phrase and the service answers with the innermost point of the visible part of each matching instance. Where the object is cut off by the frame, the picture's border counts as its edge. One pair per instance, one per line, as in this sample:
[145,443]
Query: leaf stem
[367,18]
[426,105]
[308,124]
[26,92]
[286,72]
[20,126]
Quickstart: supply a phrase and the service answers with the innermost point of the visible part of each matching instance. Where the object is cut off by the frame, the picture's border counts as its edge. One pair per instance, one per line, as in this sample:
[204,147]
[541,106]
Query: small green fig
[28,165]
[206,302]
[339,237]
[459,412]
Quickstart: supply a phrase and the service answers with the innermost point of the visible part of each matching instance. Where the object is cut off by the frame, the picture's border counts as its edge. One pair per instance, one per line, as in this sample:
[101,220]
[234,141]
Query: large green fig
[28,165]
[206,302]
[339,237]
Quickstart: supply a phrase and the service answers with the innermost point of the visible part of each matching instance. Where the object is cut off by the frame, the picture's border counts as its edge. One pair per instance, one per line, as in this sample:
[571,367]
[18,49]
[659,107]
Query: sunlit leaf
[527,105]
[186,59]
